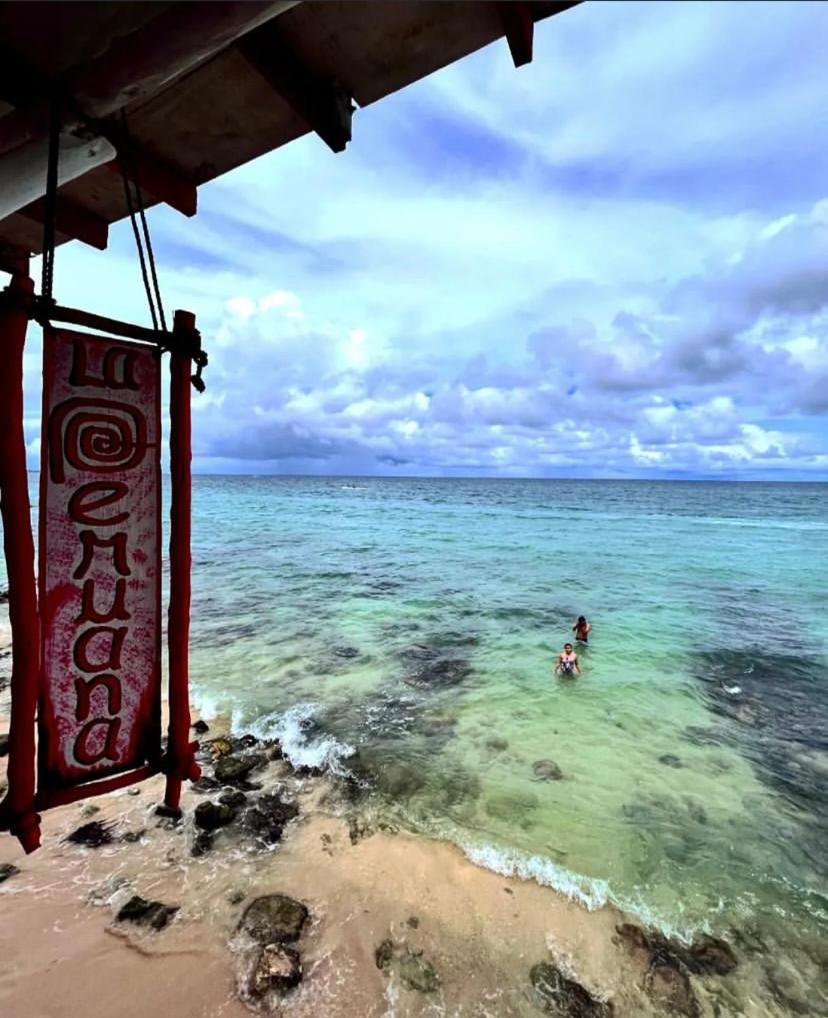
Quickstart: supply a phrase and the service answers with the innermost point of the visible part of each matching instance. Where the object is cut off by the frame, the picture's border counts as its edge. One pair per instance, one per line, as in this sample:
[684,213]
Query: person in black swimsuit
[567,663]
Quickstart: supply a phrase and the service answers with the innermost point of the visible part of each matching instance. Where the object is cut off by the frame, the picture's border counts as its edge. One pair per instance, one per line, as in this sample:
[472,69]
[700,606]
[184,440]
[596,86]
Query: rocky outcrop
[561,996]
[154,914]
[274,919]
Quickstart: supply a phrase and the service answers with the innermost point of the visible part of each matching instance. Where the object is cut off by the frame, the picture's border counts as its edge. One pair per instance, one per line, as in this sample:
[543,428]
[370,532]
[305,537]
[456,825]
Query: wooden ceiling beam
[321,102]
[72,221]
[519,29]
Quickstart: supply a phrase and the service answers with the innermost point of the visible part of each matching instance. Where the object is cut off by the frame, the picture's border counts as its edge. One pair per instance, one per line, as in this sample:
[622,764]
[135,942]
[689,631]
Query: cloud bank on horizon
[613,262]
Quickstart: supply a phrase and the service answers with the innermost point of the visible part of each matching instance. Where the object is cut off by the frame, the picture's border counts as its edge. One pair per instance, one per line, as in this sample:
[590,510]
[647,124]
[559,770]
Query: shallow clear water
[693,749]
[417,622]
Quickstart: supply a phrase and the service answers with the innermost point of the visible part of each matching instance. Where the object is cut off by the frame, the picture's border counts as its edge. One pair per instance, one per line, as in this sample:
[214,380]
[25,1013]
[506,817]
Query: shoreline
[479,943]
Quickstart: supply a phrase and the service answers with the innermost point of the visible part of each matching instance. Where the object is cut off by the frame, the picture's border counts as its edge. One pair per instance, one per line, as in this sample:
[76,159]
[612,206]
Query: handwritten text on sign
[100,570]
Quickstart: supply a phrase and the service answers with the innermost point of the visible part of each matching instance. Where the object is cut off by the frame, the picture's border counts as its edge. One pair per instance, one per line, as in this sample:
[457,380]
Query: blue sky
[613,262]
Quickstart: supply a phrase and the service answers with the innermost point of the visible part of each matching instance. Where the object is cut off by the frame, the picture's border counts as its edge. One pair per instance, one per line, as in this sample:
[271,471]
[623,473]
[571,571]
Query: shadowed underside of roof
[206,87]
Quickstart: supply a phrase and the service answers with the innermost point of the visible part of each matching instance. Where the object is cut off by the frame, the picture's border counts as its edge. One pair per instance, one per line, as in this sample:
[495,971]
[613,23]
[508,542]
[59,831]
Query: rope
[50,209]
[149,277]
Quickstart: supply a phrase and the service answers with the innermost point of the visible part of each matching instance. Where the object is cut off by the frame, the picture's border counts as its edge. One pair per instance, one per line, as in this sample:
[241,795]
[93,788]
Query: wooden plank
[519,29]
[72,221]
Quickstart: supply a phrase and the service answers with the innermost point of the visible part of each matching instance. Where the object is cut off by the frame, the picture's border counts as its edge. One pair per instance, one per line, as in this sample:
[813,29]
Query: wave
[300,740]
[591,893]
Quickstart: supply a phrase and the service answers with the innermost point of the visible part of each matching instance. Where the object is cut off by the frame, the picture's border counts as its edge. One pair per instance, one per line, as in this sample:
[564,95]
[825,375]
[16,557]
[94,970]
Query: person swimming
[567,663]
[581,630]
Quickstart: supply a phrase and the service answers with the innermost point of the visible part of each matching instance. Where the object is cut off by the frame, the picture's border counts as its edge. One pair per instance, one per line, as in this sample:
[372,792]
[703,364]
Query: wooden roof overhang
[206,88]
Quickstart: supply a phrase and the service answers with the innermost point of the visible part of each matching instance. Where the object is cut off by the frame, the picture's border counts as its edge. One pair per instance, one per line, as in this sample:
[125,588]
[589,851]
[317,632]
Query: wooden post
[17,811]
[179,749]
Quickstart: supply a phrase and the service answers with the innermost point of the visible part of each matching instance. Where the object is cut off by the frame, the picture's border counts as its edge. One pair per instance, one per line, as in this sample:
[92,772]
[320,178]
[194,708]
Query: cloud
[609,263]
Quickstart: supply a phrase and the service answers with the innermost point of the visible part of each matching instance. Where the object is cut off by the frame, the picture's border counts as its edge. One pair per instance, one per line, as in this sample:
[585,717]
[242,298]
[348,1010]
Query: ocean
[402,633]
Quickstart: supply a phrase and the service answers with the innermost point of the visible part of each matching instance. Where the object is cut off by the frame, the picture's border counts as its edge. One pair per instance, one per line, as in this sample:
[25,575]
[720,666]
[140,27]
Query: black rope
[144,224]
[50,209]
[138,244]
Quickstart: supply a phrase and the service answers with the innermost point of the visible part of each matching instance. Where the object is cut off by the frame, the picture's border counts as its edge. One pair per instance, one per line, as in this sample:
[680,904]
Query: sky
[610,263]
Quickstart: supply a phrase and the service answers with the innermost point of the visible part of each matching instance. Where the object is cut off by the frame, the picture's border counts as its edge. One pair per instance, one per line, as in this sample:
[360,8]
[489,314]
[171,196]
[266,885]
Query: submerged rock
[705,956]
[277,968]
[202,843]
[234,797]
[416,973]
[670,760]
[346,652]
[204,784]
[268,817]
[7,869]
[505,806]
[209,816]
[154,914]
[93,834]
[496,745]
[274,919]
[668,986]
[561,996]
[547,770]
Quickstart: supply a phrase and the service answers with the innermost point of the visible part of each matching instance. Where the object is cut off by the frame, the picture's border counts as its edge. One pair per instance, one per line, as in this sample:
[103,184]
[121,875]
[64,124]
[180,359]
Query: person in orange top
[581,630]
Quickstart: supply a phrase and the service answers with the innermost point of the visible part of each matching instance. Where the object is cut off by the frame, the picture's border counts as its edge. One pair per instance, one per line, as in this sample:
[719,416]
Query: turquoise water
[416,622]
[403,632]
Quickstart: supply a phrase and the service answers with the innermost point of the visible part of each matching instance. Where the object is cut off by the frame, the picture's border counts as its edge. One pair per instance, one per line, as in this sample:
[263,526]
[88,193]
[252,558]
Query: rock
[93,834]
[668,986]
[233,797]
[546,770]
[705,956]
[358,829]
[235,897]
[220,747]
[132,837]
[563,997]
[400,780]
[200,727]
[202,843]
[275,752]
[7,870]
[90,809]
[497,745]
[230,770]
[268,817]
[277,968]
[670,760]
[413,922]
[504,806]
[245,742]
[4,744]
[709,955]
[274,919]
[204,784]
[383,953]
[209,816]
[154,914]
[346,652]
[417,974]
[133,791]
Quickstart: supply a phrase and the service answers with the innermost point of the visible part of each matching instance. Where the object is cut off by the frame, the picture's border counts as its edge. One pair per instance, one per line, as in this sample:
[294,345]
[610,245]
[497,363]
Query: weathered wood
[72,221]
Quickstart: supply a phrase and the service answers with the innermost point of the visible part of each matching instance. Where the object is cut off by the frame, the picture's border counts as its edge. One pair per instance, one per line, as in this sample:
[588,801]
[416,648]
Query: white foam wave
[590,892]
[304,748]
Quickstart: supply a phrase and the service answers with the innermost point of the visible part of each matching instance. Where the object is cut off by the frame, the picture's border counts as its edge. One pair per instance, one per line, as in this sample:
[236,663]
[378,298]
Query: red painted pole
[180,750]
[17,811]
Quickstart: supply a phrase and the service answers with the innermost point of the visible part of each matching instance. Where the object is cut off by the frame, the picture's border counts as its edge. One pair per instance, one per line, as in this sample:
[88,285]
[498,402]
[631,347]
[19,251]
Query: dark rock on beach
[200,727]
[234,797]
[561,996]
[668,986]
[417,973]
[93,835]
[202,843]
[277,968]
[209,816]
[546,770]
[154,914]
[231,770]
[383,953]
[204,785]
[274,919]
[245,742]
[7,870]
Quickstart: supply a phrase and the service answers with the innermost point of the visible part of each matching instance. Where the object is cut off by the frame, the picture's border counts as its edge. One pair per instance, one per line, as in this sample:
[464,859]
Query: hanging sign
[100,566]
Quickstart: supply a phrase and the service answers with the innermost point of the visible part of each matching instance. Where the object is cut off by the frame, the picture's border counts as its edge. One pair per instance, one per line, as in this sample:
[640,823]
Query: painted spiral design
[95,436]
